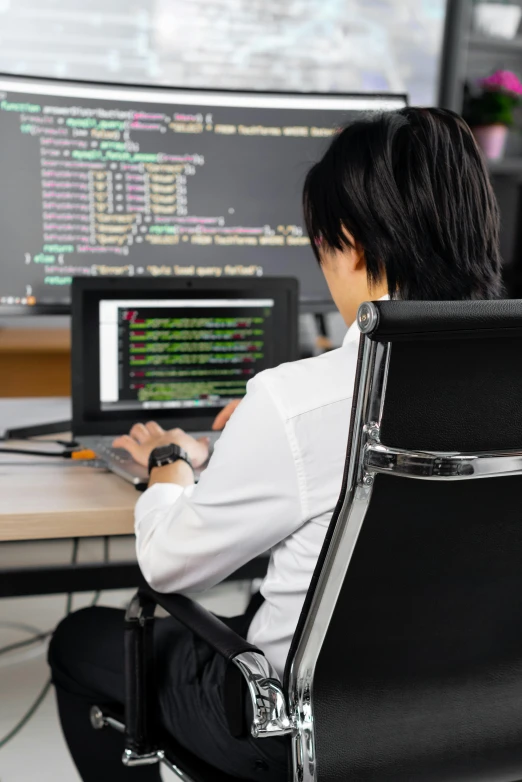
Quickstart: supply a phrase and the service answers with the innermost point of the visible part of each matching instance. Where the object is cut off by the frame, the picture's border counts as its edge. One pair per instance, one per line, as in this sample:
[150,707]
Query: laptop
[171,350]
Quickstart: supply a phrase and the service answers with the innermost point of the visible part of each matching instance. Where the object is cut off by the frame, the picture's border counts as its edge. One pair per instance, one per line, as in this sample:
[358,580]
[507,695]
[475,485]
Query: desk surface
[43,498]
[40,501]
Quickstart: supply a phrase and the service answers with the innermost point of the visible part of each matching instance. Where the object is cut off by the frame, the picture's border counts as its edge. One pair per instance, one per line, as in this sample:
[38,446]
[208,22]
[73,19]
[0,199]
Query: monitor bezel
[86,291]
[306,304]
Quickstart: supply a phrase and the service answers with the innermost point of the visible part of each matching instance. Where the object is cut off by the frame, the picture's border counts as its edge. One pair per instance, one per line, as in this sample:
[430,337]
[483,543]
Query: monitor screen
[171,349]
[181,353]
[114,181]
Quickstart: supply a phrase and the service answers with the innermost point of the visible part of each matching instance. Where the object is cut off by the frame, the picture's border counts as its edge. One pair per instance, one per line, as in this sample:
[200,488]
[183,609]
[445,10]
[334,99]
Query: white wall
[314,45]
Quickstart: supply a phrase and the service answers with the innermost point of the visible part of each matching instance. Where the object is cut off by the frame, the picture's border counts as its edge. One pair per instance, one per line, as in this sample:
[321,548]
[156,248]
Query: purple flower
[502,81]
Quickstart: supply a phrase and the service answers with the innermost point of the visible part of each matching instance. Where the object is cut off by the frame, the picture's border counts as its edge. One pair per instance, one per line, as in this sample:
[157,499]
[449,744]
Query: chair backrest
[407,662]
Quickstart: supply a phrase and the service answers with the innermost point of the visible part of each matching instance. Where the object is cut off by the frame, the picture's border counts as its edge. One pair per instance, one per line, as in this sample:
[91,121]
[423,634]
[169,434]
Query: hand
[224,416]
[143,438]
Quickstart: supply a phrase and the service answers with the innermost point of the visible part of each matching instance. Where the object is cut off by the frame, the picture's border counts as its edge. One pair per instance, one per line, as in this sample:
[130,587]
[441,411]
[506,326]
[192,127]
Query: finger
[128,444]
[154,429]
[224,416]
[219,421]
[140,433]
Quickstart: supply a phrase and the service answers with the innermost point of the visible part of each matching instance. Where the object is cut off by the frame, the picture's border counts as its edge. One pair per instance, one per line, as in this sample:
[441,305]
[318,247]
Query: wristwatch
[168,454]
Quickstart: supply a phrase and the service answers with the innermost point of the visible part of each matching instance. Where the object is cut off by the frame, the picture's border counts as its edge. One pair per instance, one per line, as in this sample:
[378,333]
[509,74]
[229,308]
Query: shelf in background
[35,362]
[490,43]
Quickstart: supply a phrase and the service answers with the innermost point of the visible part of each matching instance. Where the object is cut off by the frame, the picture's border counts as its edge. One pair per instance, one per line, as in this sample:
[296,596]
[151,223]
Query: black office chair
[407,660]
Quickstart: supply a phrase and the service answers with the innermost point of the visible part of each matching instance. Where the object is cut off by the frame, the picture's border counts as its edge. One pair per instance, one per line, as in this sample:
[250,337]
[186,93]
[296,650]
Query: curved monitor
[118,181]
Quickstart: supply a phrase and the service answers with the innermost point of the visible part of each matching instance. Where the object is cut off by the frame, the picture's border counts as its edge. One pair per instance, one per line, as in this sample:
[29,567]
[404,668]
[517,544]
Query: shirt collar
[353,333]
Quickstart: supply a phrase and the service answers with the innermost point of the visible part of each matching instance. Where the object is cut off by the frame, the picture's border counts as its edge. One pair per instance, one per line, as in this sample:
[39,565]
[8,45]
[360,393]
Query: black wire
[43,635]
[41,697]
[27,716]
[27,642]
[29,452]
[65,443]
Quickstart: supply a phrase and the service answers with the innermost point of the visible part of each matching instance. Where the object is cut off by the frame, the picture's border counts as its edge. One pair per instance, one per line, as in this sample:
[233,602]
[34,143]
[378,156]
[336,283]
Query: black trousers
[86,658]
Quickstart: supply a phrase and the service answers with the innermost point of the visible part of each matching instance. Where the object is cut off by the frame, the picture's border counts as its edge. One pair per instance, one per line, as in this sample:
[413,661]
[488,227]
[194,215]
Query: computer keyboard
[119,454]
[118,461]
[121,463]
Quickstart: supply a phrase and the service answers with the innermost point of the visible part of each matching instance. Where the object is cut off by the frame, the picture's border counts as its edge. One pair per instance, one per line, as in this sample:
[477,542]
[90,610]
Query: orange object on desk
[35,362]
[86,453]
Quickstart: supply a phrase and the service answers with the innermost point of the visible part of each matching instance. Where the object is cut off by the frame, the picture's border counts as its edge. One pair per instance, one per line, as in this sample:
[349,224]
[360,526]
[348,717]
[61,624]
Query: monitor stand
[37,430]
[324,342]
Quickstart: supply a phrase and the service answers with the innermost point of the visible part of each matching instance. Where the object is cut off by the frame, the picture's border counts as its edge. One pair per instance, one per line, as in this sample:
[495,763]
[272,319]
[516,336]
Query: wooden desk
[35,361]
[55,499]
[59,500]
[43,499]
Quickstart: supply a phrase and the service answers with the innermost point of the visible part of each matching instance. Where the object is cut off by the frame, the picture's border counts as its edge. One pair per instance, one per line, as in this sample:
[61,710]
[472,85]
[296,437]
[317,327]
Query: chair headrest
[386,321]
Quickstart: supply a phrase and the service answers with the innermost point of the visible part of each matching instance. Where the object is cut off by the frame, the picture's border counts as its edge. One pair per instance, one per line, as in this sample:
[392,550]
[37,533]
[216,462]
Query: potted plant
[490,111]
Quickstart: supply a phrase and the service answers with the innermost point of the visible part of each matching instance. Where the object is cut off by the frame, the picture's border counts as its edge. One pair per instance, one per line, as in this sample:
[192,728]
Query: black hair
[412,189]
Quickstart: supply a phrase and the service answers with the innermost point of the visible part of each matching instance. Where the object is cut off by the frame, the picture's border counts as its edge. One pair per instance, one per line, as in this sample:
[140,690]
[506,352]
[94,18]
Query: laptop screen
[175,351]
[181,353]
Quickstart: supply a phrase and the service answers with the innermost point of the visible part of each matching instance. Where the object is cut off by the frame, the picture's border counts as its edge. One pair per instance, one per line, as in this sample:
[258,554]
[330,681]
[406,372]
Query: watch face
[164,451]
[167,454]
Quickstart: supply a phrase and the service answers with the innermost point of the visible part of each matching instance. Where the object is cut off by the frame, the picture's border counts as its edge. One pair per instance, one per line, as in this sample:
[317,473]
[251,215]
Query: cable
[83,454]
[27,642]
[36,635]
[40,637]
[65,443]
[41,697]
[34,452]
[25,628]
[27,716]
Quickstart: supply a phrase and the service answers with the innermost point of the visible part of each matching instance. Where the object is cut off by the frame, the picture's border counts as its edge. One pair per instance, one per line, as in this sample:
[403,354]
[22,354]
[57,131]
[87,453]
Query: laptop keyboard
[105,450]
[120,462]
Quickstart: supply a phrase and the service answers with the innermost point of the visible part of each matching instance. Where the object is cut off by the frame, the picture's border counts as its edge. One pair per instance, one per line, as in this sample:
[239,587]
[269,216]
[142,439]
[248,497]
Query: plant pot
[492,140]
[497,20]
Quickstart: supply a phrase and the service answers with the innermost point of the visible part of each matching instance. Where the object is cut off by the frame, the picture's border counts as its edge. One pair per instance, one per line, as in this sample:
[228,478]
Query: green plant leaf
[490,108]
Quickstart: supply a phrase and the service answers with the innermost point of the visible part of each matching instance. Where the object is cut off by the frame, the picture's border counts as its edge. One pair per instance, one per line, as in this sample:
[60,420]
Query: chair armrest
[204,624]
[269,710]
[270,713]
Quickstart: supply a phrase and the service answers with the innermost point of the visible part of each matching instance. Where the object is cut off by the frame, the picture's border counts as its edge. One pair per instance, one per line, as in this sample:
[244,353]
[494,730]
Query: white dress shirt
[272,483]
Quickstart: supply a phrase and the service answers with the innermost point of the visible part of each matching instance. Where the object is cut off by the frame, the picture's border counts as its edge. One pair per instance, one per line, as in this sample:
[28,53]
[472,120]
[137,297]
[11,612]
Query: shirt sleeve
[247,500]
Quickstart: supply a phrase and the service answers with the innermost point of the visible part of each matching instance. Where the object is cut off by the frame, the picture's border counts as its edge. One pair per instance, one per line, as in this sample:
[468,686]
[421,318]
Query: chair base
[174,757]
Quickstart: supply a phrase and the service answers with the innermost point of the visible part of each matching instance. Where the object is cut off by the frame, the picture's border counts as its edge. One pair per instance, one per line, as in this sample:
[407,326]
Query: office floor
[38,752]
